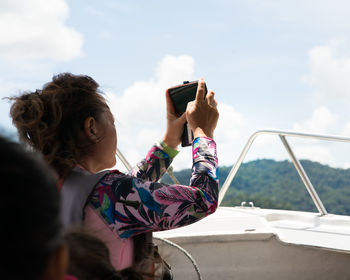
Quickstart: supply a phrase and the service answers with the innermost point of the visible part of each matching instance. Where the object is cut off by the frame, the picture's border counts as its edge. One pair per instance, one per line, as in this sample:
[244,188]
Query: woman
[31,236]
[70,122]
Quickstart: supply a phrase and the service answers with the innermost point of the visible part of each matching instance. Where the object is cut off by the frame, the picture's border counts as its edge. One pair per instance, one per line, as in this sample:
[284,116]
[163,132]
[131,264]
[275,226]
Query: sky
[273,64]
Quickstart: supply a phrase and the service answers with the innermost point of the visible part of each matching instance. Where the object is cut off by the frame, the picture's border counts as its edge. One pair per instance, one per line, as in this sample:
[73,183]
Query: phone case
[187,136]
[181,95]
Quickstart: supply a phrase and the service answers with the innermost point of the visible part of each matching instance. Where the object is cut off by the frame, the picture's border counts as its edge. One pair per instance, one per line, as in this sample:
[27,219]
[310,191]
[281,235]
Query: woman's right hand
[202,114]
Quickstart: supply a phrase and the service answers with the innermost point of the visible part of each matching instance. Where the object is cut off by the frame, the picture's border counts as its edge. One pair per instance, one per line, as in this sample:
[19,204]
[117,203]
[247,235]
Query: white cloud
[346,130]
[228,133]
[320,122]
[329,79]
[329,73]
[229,124]
[315,153]
[181,69]
[35,29]
[140,110]
[140,113]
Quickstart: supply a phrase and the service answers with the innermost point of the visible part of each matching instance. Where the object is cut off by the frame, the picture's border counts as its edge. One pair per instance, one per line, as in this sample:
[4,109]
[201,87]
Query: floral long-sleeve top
[135,203]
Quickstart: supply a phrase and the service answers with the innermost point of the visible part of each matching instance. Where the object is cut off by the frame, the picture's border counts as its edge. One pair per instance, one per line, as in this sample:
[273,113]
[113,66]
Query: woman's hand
[202,114]
[175,124]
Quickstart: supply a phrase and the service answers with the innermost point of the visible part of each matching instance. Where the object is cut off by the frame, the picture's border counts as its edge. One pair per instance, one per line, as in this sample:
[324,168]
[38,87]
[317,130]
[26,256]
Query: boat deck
[247,243]
[303,228]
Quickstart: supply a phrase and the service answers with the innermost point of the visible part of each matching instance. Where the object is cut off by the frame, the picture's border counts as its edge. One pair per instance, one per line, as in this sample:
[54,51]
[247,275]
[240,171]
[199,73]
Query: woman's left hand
[175,124]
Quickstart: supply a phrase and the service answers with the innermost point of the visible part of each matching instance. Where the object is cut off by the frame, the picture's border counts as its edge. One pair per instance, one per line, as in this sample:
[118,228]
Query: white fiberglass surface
[330,231]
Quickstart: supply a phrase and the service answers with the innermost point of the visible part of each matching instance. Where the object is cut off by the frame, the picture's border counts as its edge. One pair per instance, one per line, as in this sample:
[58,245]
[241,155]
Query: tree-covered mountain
[277,185]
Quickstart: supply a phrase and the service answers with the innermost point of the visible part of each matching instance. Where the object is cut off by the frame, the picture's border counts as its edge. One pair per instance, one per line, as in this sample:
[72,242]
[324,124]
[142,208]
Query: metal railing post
[304,177]
[123,160]
[235,167]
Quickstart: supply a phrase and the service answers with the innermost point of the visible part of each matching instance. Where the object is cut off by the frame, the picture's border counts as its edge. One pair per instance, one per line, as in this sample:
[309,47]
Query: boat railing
[303,175]
[282,135]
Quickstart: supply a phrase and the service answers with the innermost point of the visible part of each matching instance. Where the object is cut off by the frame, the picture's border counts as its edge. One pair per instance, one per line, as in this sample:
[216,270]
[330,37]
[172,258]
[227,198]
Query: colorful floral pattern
[136,203]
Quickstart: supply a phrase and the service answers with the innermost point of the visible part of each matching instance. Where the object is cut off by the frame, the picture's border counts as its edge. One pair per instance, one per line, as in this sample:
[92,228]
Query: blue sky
[273,65]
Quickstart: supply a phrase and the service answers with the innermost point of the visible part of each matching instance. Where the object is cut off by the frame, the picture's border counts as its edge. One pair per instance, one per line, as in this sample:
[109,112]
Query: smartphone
[180,96]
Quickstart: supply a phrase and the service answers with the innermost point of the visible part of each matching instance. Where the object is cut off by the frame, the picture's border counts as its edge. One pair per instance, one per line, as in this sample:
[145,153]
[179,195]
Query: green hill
[277,185]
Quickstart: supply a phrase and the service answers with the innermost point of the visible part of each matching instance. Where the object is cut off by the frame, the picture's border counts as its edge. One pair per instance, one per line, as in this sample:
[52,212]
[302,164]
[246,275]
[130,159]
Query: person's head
[89,258]
[31,230]
[69,122]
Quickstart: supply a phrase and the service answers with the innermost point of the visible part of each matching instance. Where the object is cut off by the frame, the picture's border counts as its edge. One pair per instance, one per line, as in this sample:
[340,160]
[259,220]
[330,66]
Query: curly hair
[50,119]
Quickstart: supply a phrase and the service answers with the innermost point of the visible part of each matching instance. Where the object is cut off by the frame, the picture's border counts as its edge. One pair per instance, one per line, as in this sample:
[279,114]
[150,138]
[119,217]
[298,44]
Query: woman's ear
[90,129]
[57,264]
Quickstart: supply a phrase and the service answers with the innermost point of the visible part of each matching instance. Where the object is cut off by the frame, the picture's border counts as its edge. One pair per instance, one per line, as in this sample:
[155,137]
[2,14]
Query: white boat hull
[251,243]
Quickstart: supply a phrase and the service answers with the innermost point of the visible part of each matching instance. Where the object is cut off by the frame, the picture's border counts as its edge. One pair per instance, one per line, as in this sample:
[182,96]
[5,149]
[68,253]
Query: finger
[210,99]
[169,103]
[189,107]
[183,119]
[200,90]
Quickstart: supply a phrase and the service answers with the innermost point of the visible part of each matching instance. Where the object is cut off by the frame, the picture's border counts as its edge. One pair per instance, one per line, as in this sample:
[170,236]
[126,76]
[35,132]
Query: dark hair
[89,259]
[29,213]
[50,119]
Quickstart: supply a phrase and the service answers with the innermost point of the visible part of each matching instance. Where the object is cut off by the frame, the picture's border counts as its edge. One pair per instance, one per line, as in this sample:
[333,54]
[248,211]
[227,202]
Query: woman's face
[105,148]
